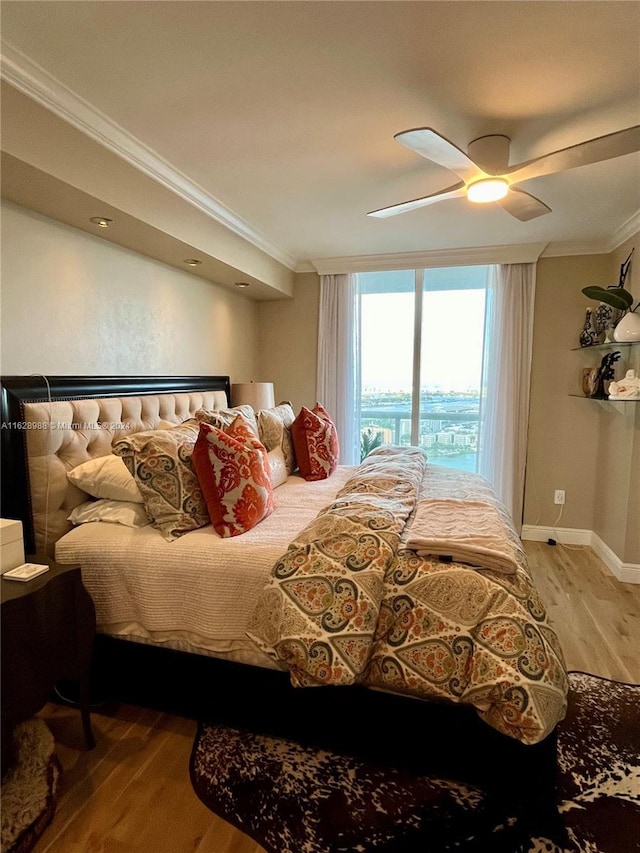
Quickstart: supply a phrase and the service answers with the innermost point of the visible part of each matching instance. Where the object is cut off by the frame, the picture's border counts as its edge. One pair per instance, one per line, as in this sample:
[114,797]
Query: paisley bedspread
[348,603]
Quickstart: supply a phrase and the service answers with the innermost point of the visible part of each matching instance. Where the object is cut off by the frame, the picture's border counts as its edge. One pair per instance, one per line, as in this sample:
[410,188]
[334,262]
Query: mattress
[197,593]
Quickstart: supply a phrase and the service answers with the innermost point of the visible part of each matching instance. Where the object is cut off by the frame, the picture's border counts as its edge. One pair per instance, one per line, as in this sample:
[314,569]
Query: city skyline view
[448,426]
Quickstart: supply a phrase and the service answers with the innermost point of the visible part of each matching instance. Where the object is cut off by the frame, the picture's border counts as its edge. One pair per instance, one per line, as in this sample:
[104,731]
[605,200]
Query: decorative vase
[588,335]
[628,329]
[604,317]
[609,332]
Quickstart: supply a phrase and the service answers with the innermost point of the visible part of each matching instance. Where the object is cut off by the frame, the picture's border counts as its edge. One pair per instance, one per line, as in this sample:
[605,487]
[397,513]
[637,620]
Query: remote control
[25,572]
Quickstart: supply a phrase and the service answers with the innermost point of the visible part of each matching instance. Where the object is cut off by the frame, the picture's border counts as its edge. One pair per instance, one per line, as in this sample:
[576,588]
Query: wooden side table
[48,627]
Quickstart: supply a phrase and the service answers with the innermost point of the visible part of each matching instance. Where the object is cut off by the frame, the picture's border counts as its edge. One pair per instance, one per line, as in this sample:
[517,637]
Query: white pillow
[106,477]
[278,467]
[118,512]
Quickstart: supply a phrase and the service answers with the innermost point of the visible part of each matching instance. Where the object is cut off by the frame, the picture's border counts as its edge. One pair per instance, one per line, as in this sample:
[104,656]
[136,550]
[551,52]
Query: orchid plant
[615,295]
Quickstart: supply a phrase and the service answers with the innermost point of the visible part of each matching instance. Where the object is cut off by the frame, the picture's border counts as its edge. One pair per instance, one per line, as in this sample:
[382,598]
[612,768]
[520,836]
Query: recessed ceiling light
[101,221]
[242,284]
[192,262]
[488,189]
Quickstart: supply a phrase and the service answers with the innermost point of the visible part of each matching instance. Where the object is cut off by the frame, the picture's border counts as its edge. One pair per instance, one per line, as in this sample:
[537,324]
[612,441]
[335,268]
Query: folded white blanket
[470,532]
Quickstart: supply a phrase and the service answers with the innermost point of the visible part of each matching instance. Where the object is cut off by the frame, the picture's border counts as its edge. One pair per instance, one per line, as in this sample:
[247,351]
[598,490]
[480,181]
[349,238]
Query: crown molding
[596,247]
[32,80]
[626,230]
[576,247]
[522,253]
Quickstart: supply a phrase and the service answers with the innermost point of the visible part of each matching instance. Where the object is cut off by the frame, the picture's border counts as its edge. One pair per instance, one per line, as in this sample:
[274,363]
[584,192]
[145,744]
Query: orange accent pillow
[315,440]
[233,470]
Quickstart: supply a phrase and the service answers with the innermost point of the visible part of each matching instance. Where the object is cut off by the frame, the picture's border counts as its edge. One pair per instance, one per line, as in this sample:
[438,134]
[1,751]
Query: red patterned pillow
[233,470]
[315,440]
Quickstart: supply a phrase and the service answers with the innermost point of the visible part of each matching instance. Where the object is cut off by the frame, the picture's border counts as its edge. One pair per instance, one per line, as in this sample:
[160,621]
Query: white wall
[75,304]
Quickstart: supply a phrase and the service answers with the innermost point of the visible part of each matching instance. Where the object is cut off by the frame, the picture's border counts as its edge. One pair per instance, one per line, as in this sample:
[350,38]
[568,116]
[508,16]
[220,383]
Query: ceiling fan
[486,175]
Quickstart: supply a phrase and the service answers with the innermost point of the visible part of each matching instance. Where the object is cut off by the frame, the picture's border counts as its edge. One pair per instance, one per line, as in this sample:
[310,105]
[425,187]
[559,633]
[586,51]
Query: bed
[387,624]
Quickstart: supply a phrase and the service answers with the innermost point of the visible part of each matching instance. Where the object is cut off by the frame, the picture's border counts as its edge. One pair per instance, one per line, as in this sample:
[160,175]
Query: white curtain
[504,412]
[338,378]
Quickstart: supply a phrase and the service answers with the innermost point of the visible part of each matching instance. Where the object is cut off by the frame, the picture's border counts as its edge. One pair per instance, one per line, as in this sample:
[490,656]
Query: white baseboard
[566,535]
[624,572]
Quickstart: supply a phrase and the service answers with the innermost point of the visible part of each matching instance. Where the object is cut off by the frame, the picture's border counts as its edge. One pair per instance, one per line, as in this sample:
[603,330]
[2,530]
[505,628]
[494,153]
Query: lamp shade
[258,395]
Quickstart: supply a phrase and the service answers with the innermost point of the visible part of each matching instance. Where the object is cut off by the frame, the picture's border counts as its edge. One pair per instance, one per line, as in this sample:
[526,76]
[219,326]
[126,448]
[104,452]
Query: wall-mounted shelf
[604,399]
[604,347]
[613,345]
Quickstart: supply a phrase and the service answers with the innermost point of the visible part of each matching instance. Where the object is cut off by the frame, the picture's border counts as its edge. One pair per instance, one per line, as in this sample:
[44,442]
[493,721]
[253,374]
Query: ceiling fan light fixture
[487,189]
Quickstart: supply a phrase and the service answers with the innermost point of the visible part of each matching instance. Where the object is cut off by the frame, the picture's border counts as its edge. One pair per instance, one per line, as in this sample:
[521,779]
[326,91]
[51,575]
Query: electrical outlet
[558,496]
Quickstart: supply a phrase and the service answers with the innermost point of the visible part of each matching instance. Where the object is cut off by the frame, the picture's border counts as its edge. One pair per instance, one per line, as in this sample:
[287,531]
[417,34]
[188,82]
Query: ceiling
[280,116]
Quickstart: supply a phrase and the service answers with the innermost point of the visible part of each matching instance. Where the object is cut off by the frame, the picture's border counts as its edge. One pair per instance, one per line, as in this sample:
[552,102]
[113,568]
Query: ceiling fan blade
[405,206]
[522,205]
[427,143]
[593,151]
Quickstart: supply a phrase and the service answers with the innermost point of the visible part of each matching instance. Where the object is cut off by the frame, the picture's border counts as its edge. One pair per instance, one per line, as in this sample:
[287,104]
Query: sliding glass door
[422,344]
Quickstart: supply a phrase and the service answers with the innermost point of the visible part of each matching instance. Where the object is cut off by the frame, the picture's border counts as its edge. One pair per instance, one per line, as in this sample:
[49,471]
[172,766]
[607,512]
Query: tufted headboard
[51,424]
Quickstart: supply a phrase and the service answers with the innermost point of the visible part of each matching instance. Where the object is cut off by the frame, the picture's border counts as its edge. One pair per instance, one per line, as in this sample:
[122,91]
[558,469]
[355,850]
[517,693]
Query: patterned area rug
[29,787]
[599,760]
[296,799]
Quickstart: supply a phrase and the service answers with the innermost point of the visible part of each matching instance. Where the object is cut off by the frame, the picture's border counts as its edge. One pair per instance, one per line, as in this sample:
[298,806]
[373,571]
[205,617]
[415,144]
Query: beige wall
[72,303]
[288,342]
[588,448]
[563,430]
[617,509]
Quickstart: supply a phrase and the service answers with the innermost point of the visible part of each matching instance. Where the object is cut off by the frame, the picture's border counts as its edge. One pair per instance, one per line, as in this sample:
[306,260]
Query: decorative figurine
[591,381]
[601,374]
[627,388]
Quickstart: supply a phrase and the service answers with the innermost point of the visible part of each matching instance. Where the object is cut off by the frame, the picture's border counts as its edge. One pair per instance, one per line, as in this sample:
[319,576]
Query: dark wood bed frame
[428,737]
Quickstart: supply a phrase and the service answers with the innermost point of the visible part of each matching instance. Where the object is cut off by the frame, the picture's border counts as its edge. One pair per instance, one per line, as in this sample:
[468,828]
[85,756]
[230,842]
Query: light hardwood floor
[132,792]
[596,618]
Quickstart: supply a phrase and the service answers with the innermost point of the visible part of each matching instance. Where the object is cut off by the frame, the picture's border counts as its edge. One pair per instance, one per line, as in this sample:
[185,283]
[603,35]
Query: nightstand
[48,626]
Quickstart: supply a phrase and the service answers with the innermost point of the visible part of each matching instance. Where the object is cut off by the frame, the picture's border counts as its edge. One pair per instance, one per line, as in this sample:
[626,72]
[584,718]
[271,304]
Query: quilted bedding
[349,603]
